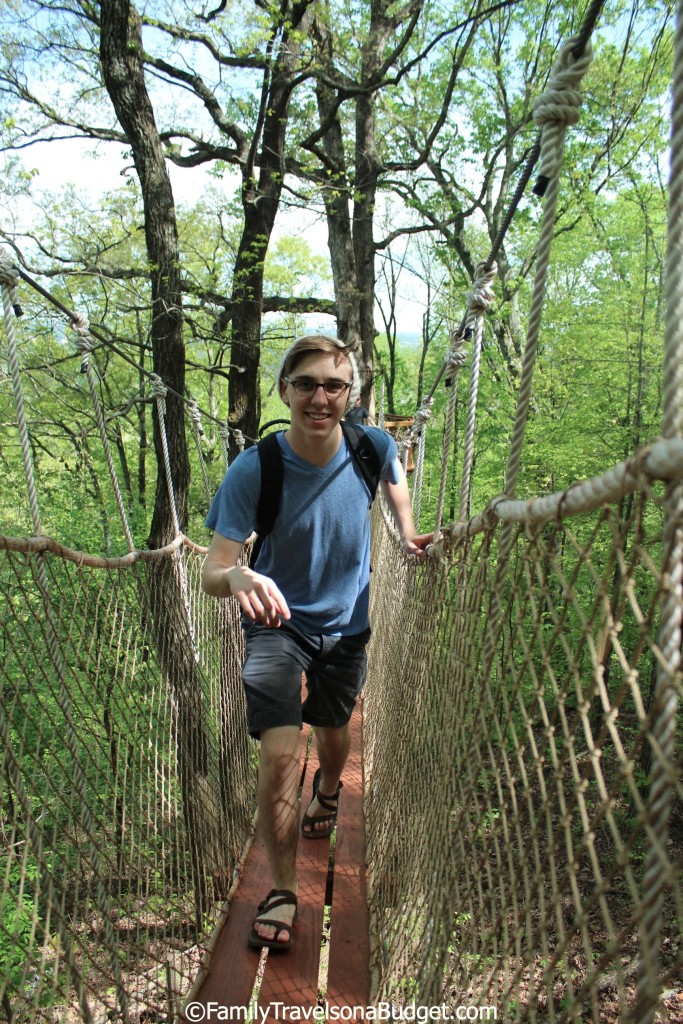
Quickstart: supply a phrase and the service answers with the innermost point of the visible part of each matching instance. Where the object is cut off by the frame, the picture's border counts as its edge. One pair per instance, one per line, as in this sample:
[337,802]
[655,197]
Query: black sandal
[324,801]
[275,898]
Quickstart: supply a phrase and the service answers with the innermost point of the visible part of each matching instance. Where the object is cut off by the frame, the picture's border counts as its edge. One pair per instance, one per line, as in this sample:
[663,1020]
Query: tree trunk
[351,237]
[260,201]
[367,175]
[122,68]
[168,616]
[336,197]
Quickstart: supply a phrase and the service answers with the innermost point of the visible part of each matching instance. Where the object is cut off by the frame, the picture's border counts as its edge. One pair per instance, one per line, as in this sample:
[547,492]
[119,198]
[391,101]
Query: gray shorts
[335,668]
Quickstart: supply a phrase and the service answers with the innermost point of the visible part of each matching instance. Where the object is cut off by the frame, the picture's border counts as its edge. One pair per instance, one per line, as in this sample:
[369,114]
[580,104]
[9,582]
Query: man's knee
[333,736]
[279,758]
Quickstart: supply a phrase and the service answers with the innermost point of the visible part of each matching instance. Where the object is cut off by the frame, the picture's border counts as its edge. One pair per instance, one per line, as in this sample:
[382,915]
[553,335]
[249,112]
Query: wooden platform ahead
[291,977]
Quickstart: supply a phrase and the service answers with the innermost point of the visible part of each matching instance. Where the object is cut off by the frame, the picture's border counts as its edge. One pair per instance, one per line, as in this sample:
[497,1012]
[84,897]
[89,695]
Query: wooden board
[290,977]
[348,980]
[233,964]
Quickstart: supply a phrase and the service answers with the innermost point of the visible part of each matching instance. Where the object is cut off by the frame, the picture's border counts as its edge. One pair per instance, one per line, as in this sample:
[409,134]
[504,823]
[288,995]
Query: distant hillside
[410,338]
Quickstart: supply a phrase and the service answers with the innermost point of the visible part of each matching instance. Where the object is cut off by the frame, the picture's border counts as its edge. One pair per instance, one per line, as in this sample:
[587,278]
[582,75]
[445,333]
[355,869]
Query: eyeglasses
[306,387]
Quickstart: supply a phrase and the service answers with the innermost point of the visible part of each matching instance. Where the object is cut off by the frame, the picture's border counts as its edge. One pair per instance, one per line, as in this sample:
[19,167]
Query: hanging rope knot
[239,439]
[404,445]
[84,342]
[558,106]
[456,357]
[423,414]
[159,391]
[482,295]
[195,415]
[9,278]
[436,549]
[224,433]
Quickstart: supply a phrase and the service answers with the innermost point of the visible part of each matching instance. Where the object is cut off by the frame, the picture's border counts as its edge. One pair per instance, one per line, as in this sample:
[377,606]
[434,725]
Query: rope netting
[524,802]
[111,882]
[509,745]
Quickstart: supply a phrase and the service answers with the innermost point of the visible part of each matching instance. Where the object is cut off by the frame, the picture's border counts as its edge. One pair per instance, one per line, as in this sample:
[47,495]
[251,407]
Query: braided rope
[404,448]
[558,106]
[84,343]
[224,432]
[553,111]
[8,279]
[419,429]
[554,130]
[663,728]
[479,303]
[196,418]
[382,399]
[454,359]
[662,461]
[159,392]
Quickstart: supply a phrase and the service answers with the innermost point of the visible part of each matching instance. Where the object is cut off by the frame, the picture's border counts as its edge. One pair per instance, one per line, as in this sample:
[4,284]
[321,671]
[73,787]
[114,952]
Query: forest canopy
[400,131]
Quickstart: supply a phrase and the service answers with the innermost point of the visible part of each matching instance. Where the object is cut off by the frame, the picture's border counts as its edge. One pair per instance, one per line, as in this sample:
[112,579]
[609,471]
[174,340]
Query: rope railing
[196,418]
[419,430]
[509,721]
[60,690]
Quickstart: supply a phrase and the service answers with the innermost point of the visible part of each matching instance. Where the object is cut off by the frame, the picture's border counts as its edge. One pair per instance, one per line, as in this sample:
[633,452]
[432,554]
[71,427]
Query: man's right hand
[222,576]
[259,597]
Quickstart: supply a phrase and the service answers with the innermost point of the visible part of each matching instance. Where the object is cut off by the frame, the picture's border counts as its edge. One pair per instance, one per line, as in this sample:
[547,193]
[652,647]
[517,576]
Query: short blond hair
[327,345]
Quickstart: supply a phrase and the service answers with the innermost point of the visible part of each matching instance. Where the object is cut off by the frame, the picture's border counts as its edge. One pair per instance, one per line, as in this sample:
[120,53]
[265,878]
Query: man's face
[313,409]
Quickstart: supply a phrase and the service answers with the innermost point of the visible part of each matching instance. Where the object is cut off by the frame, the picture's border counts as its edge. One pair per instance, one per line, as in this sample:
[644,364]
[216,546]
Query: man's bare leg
[333,750]
[278,785]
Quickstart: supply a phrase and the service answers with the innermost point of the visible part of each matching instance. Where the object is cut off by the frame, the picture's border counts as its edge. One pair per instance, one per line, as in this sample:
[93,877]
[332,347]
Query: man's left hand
[417,545]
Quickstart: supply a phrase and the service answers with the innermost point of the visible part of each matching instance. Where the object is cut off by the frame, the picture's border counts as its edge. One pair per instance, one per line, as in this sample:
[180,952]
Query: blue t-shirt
[318,552]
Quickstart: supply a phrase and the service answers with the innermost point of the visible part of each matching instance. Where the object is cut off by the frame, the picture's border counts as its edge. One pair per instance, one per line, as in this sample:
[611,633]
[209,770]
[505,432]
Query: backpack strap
[270,495]
[363,451]
[365,454]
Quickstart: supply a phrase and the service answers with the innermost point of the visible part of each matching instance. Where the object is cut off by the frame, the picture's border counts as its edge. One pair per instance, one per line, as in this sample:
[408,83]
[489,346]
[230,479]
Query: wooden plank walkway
[291,977]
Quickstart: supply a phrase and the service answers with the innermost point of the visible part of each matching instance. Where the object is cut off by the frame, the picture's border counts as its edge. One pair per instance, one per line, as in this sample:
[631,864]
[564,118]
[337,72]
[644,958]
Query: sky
[96,171]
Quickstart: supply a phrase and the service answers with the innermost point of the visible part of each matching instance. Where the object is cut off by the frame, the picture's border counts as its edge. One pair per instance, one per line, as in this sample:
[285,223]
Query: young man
[305,602]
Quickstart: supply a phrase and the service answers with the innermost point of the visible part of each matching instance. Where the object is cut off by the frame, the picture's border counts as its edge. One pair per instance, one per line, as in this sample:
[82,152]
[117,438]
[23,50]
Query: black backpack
[270,460]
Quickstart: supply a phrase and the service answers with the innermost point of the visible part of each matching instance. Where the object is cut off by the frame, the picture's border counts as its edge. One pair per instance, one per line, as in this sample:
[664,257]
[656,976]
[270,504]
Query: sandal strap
[277,898]
[320,819]
[324,800]
[279,925]
[316,783]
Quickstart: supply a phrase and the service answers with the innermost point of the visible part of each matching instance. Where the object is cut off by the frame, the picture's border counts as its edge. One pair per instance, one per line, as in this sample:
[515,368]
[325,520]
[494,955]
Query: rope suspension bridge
[519,846]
